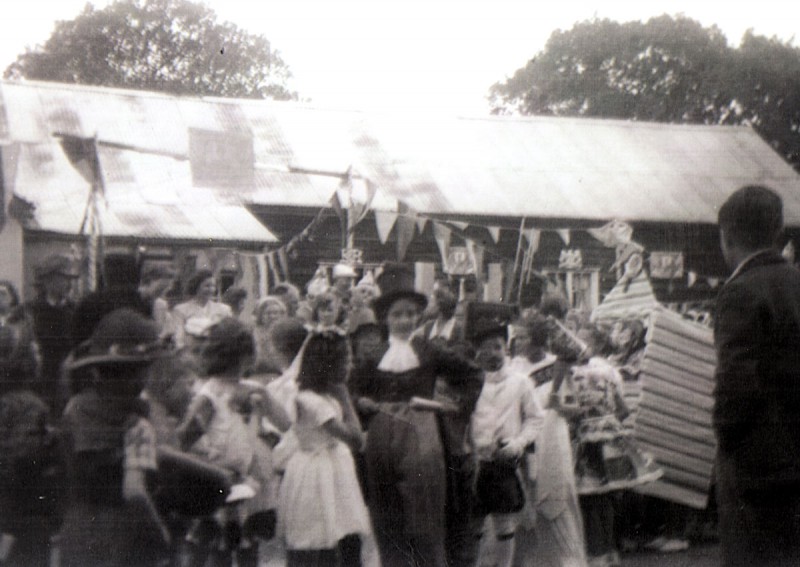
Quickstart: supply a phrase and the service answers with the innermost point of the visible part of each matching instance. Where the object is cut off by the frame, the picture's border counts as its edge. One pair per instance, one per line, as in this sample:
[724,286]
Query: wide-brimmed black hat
[485,319]
[396,281]
[124,336]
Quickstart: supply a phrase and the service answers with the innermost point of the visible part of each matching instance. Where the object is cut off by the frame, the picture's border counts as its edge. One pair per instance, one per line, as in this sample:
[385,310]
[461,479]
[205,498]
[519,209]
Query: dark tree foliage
[665,70]
[174,46]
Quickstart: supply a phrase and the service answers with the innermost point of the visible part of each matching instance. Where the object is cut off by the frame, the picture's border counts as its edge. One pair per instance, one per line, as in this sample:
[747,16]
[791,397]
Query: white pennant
[442,236]
[564,234]
[713,282]
[533,235]
[691,279]
[384,221]
[494,232]
[421,222]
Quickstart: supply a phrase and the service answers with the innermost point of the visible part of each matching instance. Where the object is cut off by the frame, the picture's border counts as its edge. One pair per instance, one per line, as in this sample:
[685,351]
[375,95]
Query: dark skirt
[407,488]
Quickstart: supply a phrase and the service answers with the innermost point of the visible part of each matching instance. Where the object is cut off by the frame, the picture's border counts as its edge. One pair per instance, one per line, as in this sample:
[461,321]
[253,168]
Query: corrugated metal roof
[148,187]
[500,166]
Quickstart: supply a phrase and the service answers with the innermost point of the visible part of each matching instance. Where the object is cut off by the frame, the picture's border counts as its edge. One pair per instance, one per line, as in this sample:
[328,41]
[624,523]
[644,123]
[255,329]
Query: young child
[31,481]
[221,426]
[328,312]
[504,427]
[606,458]
[111,519]
[321,512]
[557,538]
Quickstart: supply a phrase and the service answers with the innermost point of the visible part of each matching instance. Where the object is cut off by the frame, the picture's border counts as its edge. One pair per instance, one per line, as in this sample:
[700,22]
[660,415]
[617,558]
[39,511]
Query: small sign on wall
[459,262]
[221,159]
[666,265]
[352,256]
[570,260]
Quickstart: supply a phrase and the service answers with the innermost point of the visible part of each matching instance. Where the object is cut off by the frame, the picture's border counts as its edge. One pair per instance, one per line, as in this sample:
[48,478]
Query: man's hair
[324,363]
[752,217]
[285,287]
[198,278]
[446,301]
[156,271]
[229,342]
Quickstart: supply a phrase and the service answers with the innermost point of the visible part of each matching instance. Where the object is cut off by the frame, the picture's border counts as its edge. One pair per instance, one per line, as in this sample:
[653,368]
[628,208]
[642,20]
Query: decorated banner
[459,262]
[570,260]
[666,265]
[352,256]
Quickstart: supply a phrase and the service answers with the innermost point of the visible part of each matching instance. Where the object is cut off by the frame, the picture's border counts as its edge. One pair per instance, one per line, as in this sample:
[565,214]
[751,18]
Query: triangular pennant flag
[494,232]
[442,234]
[564,234]
[384,221]
[691,278]
[459,224]
[336,205]
[405,234]
[421,222]
[533,236]
[356,214]
[713,282]
[363,208]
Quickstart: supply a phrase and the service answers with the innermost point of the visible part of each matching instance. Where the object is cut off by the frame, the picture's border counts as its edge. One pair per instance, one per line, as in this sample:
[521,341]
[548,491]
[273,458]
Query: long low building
[187,178]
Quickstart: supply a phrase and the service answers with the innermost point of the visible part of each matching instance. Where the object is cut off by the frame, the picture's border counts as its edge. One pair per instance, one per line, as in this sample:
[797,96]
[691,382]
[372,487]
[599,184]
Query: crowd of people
[361,423]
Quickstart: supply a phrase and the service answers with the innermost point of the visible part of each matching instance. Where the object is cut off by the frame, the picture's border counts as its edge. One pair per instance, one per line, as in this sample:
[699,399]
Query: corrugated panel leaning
[674,419]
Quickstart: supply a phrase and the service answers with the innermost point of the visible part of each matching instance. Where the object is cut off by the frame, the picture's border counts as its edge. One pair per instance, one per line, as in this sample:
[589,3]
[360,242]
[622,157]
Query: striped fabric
[627,300]
[674,418]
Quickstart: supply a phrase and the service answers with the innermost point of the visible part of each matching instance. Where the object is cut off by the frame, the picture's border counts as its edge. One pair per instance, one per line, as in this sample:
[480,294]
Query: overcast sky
[414,55]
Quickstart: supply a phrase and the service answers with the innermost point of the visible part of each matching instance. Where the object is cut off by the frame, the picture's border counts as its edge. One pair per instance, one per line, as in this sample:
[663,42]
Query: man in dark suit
[757,394]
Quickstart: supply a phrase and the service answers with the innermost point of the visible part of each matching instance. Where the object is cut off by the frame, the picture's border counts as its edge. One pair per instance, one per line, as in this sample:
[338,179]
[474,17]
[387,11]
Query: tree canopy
[665,70]
[175,46]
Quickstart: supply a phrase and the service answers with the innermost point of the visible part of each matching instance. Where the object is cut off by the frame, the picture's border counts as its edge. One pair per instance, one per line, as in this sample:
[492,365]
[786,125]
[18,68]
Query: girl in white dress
[321,512]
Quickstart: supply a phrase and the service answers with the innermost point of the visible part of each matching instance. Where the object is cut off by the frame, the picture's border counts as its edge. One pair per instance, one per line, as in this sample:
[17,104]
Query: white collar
[399,357]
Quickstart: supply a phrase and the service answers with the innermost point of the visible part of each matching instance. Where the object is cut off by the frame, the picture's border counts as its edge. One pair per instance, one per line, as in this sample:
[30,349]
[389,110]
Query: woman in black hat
[404,453]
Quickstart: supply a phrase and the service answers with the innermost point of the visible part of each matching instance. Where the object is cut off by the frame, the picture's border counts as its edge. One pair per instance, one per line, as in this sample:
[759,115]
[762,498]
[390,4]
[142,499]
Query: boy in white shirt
[504,426]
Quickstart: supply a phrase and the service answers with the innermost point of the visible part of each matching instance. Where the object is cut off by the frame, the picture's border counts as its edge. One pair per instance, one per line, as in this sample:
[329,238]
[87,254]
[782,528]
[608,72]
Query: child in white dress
[322,516]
